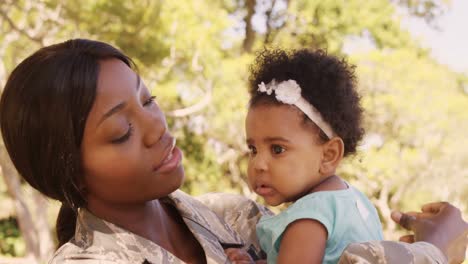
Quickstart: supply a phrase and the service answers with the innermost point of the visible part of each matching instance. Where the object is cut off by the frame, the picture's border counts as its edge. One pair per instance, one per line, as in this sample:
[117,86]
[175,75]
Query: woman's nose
[155,126]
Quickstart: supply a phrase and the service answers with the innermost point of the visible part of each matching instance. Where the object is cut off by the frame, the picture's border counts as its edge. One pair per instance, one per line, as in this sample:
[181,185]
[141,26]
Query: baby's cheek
[250,176]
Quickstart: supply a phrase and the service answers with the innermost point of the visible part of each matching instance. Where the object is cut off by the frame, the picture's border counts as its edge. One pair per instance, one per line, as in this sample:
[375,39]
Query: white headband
[289,92]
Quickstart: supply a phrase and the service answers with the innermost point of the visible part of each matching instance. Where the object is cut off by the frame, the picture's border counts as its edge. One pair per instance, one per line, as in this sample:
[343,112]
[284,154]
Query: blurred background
[412,65]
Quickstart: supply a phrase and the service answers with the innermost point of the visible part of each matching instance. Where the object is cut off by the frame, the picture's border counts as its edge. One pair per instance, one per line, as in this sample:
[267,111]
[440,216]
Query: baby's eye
[252,149]
[277,149]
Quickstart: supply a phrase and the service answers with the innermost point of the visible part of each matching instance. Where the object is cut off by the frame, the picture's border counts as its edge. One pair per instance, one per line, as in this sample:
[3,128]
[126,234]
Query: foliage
[194,56]
[415,125]
[11,243]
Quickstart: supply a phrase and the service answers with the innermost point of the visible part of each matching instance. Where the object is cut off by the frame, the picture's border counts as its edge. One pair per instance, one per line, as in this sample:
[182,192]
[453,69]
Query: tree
[193,55]
[415,125]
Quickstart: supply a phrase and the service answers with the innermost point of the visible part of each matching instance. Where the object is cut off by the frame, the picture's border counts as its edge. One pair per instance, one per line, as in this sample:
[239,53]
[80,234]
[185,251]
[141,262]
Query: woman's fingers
[238,255]
[232,253]
[434,207]
[440,224]
[442,209]
[407,221]
[407,239]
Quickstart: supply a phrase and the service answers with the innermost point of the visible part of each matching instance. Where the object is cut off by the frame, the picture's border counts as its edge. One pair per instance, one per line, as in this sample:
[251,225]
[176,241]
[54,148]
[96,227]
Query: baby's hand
[238,256]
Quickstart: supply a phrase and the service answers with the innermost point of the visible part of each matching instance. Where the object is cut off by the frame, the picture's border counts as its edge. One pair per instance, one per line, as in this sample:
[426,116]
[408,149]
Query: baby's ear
[332,155]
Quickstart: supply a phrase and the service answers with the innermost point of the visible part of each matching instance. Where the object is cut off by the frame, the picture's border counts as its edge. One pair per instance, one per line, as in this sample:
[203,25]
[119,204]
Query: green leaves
[11,243]
[190,54]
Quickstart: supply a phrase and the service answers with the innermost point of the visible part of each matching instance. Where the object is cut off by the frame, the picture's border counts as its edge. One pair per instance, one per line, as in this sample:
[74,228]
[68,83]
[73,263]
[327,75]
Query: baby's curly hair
[327,82]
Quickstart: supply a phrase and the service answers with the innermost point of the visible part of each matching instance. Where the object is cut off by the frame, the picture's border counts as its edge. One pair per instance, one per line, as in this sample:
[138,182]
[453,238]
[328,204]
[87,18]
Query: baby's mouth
[264,190]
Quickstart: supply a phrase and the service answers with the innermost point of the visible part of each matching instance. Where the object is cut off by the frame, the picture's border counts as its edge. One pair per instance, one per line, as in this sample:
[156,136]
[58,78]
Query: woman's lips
[171,161]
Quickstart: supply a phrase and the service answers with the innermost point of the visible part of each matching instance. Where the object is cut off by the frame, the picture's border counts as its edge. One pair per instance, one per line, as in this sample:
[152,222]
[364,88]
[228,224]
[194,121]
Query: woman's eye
[277,149]
[125,137]
[149,101]
[252,149]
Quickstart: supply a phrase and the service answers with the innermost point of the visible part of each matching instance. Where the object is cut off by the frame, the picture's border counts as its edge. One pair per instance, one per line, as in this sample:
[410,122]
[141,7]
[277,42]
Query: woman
[81,127]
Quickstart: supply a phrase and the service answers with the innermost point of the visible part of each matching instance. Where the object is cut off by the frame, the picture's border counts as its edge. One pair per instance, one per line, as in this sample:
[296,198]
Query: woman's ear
[332,155]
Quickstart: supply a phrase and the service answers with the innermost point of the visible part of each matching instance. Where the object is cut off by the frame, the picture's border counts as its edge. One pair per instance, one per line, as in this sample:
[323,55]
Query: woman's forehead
[116,83]
[115,76]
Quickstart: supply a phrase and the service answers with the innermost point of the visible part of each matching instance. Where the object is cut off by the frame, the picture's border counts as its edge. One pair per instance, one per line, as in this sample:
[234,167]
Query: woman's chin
[163,186]
[178,179]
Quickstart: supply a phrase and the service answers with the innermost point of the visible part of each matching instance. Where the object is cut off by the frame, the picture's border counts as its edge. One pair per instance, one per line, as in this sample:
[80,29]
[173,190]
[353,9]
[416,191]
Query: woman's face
[128,154]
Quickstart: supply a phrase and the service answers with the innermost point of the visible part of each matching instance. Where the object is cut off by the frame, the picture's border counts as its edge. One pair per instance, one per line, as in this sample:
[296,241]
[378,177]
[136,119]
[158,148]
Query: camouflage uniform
[218,221]
[390,252]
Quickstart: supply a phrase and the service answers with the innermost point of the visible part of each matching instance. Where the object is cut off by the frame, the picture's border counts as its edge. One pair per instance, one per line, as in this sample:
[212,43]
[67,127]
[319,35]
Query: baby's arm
[303,241]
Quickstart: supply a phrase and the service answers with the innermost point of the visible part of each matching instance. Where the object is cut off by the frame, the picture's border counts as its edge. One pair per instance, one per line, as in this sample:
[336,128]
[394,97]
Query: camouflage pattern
[390,252]
[218,221]
[98,241]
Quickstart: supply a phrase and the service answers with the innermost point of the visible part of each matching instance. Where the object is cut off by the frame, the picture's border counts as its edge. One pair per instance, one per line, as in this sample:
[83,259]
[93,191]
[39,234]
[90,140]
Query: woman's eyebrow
[120,106]
[112,111]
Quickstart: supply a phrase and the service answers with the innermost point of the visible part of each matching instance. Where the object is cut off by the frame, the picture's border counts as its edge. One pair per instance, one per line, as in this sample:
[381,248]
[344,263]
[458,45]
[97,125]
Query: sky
[449,44]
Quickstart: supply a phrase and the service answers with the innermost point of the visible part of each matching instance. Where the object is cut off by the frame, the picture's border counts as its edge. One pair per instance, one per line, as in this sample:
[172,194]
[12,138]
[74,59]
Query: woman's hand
[440,224]
[238,256]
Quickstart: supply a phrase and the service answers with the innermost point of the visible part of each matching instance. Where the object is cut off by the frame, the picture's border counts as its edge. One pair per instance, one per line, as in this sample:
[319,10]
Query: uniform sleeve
[240,213]
[82,261]
[391,252]
[70,253]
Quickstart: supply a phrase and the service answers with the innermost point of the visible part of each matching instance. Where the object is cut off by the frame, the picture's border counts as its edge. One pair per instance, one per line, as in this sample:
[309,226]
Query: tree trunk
[382,204]
[268,23]
[26,225]
[249,32]
[36,234]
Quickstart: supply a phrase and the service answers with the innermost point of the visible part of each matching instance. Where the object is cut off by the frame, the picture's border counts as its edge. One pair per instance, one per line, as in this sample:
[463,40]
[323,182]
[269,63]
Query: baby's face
[285,153]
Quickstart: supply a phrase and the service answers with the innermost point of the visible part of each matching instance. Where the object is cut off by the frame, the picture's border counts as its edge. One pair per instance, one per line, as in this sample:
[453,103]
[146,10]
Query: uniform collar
[94,233]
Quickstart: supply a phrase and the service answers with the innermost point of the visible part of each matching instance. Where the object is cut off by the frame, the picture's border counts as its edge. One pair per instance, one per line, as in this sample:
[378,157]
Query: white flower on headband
[264,89]
[288,92]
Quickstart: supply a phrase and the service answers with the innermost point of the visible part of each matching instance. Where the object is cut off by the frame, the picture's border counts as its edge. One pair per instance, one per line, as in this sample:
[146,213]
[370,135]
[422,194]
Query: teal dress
[347,215]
